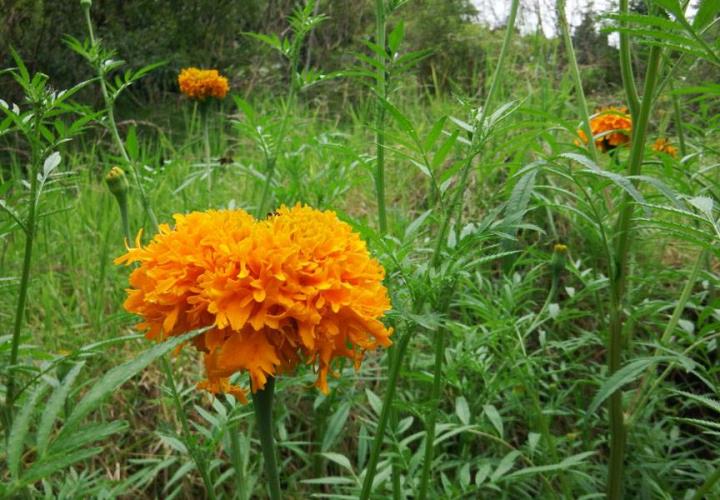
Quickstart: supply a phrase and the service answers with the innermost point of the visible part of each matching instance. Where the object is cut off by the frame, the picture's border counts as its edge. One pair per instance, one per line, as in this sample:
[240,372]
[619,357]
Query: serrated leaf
[53,407]
[566,464]
[54,463]
[623,376]
[20,428]
[121,374]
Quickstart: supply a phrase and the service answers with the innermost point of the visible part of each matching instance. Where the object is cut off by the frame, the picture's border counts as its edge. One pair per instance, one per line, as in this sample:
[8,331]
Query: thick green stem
[195,454]
[626,69]
[109,109]
[384,415]
[30,225]
[381,90]
[619,281]
[432,417]
[263,400]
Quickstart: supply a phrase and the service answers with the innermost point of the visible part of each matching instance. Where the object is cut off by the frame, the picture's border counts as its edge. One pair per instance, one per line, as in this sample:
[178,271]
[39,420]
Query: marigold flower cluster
[661,145]
[297,286]
[611,128]
[202,83]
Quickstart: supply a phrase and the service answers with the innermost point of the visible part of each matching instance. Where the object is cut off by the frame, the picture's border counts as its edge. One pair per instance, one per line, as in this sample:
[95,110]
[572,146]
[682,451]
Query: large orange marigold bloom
[300,285]
[611,127]
[202,83]
[662,145]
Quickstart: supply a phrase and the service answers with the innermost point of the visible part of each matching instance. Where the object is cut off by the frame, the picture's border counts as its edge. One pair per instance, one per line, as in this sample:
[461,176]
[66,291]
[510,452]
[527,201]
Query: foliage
[479,193]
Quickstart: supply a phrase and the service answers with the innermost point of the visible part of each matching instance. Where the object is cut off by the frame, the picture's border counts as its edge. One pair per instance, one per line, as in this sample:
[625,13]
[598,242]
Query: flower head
[202,83]
[300,285]
[661,145]
[611,127]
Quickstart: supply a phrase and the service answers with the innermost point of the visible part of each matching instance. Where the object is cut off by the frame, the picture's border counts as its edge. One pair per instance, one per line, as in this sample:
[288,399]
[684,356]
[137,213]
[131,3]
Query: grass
[520,407]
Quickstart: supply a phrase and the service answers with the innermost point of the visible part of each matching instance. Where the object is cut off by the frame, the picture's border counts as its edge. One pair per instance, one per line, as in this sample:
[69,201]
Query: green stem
[619,281]
[384,415]
[237,461]
[432,417]
[30,227]
[109,108]
[123,206]
[195,454]
[479,138]
[582,102]
[381,90]
[707,485]
[263,400]
[206,143]
[626,69]
[271,161]
[678,121]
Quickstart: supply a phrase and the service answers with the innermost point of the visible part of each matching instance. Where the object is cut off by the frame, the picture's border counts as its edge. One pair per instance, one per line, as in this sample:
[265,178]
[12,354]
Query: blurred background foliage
[210,34]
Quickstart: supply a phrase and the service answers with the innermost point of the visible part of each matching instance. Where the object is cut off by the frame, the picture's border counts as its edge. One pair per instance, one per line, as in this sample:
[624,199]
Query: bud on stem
[118,185]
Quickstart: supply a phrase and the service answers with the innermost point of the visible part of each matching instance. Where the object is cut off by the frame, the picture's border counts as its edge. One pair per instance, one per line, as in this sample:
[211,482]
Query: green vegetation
[554,302]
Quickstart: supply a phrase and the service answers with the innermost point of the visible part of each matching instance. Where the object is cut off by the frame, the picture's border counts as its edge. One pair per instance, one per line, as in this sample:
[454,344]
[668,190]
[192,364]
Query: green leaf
[495,419]
[462,410]
[53,463]
[520,197]
[707,12]
[505,465]
[53,407]
[566,464]
[20,429]
[335,426]
[131,143]
[395,37]
[623,376]
[374,401]
[119,375]
[339,459]
[87,434]
[413,227]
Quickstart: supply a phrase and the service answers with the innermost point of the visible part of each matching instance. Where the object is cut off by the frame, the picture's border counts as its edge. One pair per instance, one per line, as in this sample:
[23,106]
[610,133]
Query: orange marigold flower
[611,127]
[202,83]
[300,285]
[662,145]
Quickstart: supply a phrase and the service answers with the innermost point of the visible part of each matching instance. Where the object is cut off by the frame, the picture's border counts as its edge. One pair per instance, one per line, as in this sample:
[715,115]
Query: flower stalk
[619,278]
[206,143]
[263,401]
[112,125]
[381,90]
[30,229]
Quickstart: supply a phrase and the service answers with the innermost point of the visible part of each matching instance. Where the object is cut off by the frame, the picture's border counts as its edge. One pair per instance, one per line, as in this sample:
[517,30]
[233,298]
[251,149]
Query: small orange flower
[202,83]
[662,145]
[300,285]
[611,127]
